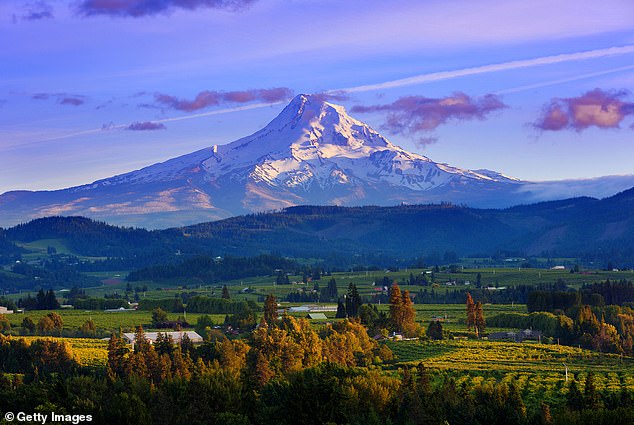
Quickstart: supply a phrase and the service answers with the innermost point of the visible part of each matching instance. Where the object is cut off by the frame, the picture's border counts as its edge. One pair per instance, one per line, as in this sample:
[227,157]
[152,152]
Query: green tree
[353,301]
[204,326]
[28,324]
[159,316]
[225,292]
[282,278]
[434,331]
[341,310]
[591,396]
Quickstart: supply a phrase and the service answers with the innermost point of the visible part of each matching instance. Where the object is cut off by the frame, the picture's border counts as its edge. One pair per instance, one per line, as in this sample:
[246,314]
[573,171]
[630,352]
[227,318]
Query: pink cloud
[140,8]
[146,126]
[208,98]
[74,101]
[596,108]
[414,114]
[62,98]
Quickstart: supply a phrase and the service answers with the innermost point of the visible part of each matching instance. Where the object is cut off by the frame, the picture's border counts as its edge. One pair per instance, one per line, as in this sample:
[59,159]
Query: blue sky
[536,89]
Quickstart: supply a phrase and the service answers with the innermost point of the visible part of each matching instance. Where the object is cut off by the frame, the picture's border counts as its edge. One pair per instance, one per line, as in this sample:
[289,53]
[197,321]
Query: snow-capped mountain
[313,152]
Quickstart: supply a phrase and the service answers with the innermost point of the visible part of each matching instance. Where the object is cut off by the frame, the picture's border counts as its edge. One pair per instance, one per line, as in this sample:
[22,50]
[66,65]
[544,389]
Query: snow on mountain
[313,152]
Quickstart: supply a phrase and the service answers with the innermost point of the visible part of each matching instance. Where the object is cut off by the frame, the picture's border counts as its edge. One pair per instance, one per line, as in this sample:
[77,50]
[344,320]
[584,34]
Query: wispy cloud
[498,67]
[596,108]
[416,114]
[208,98]
[146,126]
[62,98]
[331,96]
[140,8]
[565,80]
[110,126]
[37,10]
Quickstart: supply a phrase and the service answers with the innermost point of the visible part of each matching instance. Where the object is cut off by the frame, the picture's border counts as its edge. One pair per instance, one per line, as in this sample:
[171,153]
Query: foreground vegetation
[288,373]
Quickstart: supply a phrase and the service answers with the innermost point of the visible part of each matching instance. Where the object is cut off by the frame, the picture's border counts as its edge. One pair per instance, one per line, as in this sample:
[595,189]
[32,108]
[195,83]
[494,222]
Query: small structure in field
[316,316]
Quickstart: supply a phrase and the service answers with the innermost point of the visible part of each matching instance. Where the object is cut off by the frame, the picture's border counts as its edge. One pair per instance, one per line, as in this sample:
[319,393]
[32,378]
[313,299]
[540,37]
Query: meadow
[368,283]
[106,320]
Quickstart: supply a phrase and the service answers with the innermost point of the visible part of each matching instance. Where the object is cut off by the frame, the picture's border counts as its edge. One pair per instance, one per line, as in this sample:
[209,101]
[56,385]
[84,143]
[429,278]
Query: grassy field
[368,283]
[39,250]
[107,321]
[453,315]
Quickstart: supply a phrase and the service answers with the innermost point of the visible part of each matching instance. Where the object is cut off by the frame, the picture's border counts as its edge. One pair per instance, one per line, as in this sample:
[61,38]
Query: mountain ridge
[369,234]
[313,152]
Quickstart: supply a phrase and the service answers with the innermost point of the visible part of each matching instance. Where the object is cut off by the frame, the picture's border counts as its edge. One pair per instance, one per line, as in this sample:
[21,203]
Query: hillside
[365,235]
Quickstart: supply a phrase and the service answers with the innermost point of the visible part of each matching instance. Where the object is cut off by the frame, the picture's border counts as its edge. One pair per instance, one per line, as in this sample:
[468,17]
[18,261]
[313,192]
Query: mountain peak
[313,152]
[308,110]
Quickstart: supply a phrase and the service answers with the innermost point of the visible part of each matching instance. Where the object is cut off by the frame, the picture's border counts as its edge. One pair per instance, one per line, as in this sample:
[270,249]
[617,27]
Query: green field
[107,321]
[368,282]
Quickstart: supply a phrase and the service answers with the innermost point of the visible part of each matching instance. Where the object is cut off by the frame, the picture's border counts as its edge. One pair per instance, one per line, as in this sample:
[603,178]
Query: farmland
[537,369]
[368,282]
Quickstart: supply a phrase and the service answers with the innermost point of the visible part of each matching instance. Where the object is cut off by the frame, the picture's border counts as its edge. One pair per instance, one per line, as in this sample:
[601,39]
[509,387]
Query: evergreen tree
[353,301]
[396,308]
[574,398]
[225,292]
[434,331]
[50,301]
[117,351]
[341,310]
[282,278]
[591,396]
[409,326]
[331,291]
[40,300]
[480,324]
[471,314]
[141,343]
[270,309]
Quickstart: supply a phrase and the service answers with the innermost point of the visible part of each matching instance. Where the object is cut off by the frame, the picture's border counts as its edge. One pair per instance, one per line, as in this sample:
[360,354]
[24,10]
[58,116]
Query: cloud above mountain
[37,10]
[141,8]
[208,98]
[146,126]
[416,114]
[62,98]
[595,108]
